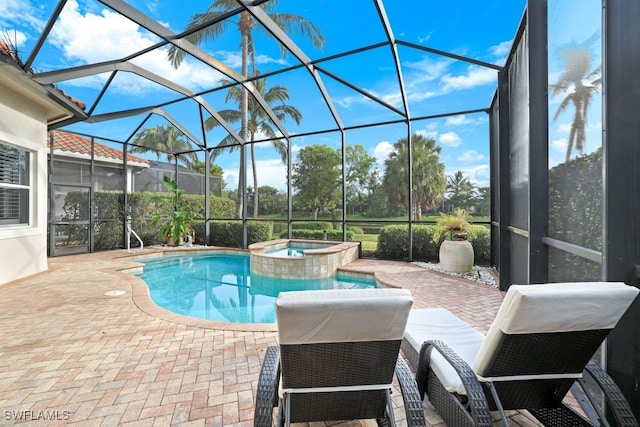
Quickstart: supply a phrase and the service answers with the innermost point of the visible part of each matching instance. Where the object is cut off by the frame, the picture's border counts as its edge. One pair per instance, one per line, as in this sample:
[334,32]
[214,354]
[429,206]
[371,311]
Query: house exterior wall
[23,249]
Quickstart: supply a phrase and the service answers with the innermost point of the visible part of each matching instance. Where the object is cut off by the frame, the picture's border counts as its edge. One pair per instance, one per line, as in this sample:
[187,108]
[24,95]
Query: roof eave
[58,106]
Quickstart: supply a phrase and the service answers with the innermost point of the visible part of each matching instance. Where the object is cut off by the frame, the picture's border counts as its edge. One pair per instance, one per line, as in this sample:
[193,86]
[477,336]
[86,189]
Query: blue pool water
[286,252]
[292,249]
[221,287]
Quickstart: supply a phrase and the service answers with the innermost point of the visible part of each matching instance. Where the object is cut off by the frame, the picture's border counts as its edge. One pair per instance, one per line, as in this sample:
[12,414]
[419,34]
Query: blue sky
[89,32]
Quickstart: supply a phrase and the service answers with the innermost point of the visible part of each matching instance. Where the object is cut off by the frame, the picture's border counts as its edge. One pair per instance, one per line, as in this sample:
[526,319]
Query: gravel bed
[478,274]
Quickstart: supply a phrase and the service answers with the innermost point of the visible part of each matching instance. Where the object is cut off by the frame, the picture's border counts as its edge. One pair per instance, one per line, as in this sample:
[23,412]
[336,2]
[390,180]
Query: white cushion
[342,315]
[441,324]
[555,307]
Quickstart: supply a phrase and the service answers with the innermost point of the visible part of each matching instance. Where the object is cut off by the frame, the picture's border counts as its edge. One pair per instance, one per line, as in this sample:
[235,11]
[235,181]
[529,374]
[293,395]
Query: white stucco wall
[23,123]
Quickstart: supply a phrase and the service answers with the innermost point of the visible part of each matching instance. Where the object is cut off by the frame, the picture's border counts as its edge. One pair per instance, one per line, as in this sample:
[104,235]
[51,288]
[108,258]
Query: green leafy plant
[453,226]
[175,225]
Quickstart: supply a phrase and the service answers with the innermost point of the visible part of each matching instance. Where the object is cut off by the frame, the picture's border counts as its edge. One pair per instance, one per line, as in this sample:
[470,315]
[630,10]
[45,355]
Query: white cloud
[429,78]
[425,39]
[14,38]
[559,145]
[271,172]
[594,126]
[19,12]
[152,6]
[458,120]
[471,156]
[564,127]
[233,59]
[478,175]
[501,49]
[427,68]
[230,177]
[429,132]
[450,139]
[295,149]
[425,79]
[95,37]
[475,76]
[382,150]
[347,101]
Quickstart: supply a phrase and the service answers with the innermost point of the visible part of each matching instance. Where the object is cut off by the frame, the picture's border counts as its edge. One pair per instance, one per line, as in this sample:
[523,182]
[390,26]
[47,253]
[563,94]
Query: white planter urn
[456,256]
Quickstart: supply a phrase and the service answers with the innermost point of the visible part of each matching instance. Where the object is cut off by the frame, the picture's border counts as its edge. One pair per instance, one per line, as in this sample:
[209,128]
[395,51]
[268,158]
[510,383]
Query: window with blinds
[14,185]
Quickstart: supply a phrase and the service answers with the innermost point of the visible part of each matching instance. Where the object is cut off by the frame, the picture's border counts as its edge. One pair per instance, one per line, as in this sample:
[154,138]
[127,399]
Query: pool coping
[142,298]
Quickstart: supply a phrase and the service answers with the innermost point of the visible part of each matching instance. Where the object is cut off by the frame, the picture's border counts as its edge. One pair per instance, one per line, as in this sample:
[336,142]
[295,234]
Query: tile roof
[72,143]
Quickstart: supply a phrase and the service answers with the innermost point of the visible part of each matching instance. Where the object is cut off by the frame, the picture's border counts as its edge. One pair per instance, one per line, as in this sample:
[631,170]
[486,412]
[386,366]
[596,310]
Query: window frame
[17,221]
[36,161]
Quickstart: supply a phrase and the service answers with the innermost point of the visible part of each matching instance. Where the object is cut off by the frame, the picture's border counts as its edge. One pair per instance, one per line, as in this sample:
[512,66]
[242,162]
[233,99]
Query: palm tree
[581,82]
[429,181]
[462,193]
[258,123]
[245,24]
[165,140]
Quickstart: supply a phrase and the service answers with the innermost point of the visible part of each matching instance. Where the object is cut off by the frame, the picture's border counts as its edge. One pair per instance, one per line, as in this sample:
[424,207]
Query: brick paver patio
[71,355]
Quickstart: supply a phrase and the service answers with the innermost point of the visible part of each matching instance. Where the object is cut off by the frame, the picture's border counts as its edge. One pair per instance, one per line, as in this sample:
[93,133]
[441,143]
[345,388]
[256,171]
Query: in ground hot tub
[301,259]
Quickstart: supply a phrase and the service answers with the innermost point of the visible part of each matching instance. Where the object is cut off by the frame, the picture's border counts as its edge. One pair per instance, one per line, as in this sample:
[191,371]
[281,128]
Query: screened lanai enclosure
[358,120]
[261,91]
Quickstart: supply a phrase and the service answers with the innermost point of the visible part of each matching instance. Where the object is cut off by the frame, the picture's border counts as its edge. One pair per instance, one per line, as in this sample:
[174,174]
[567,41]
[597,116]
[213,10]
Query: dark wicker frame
[335,363]
[543,399]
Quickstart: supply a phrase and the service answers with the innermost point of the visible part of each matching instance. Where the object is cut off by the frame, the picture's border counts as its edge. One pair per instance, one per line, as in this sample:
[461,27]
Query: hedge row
[229,233]
[109,213]
[280,228]
[320,234]
[109,232]
[393,242]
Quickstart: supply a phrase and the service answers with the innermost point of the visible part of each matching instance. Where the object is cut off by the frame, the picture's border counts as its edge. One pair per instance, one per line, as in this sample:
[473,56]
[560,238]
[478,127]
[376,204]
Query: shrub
[393,242]
[480,238]
[259,231]
[229,233]
[319,234]
[424,248]
[107,235]
[355,229]
[370,229]
[108,230]
[312,225]
[279,228]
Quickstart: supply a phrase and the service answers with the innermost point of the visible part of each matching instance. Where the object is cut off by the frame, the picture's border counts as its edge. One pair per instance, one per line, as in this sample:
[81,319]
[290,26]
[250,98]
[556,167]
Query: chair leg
[280,418]
[390,413]
[496,399]
[389,418]
[286,407]
[589,406]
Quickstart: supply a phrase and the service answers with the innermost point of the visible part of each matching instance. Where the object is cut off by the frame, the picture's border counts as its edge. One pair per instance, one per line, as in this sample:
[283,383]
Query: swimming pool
[221,287]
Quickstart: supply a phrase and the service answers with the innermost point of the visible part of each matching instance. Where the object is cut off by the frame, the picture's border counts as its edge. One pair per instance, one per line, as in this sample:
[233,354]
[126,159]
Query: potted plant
[175,226]
[456,252]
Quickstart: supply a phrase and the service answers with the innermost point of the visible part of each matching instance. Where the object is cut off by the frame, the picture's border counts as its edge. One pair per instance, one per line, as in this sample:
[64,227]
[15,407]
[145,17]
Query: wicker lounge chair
[337,354]
[537,350]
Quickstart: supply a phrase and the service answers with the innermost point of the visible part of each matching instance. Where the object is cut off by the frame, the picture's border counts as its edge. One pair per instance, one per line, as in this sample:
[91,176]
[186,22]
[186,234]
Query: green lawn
[369,241]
